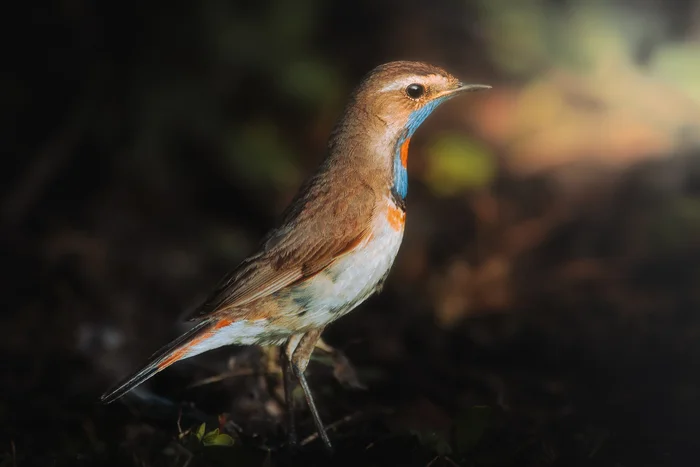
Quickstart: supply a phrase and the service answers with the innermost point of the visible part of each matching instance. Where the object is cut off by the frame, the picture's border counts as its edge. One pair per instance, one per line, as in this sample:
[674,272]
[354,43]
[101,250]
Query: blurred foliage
[515,33]
[251,71]
[675,223]
[599,84]
[311,82]
[677,63]
[259,157]
[457,163]
[526,36]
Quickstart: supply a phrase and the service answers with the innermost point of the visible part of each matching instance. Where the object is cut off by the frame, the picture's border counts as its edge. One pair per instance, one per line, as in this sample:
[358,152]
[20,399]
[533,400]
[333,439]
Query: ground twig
[223,376]
[332,426]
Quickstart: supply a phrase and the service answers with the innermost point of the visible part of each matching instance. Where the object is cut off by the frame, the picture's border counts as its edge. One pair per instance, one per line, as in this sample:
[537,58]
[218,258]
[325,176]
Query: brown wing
[319,227]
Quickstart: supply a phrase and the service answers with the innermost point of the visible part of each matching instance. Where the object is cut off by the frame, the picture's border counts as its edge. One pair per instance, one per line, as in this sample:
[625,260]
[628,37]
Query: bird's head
[403,94]
[389,106]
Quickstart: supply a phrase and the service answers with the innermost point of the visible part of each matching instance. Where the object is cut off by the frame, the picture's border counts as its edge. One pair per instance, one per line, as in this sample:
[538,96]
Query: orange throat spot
[404,153]
[396,217]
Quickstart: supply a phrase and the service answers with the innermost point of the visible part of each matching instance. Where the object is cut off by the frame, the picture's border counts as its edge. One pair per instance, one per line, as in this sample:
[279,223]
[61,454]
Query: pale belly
[351,279]
[327,296]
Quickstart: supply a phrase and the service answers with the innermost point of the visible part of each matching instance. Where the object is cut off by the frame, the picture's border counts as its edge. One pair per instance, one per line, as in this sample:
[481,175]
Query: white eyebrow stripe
[393,86]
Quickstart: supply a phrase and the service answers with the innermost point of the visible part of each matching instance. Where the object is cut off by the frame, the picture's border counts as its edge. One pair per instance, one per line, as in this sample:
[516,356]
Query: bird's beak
[462,88]
[469,88]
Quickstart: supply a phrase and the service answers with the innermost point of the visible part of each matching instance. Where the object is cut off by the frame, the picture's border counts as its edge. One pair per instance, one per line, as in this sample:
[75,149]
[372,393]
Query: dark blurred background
[543,309]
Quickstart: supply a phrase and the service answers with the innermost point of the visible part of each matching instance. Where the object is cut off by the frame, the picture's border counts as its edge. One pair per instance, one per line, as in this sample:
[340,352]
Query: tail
[180,348]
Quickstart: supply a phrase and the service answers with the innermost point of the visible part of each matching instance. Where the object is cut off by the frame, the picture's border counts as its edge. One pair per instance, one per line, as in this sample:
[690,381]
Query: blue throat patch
[414,121]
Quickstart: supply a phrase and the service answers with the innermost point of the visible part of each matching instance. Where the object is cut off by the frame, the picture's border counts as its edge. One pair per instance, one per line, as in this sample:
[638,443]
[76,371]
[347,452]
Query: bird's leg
[300,360]
[289,384]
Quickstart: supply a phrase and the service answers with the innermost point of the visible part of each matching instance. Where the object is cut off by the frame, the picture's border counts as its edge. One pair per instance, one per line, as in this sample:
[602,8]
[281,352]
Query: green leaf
[470,426]
[200,431]
[221,439]
[207,439]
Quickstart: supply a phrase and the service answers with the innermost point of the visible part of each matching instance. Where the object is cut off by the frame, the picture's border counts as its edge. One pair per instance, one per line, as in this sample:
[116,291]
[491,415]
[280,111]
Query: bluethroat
[336,242]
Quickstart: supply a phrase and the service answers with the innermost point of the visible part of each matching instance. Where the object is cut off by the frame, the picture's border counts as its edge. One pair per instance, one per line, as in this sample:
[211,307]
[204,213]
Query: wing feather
[311,237]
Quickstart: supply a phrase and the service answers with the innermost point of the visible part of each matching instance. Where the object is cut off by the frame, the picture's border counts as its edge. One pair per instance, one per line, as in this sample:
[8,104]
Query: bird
[335,243]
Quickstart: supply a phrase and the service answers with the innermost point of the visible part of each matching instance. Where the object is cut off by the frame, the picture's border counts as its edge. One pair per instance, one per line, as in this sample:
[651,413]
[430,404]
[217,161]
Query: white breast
[353,278]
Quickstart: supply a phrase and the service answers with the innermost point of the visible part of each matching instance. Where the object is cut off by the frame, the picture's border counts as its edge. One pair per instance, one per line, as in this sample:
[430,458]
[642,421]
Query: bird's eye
[415,90]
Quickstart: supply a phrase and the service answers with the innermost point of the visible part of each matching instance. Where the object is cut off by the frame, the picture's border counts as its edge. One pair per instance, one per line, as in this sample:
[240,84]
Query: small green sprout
[213,437]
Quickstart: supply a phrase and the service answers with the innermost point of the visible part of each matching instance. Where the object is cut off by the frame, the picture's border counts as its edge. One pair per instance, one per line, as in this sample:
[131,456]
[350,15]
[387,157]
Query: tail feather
[163,358]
